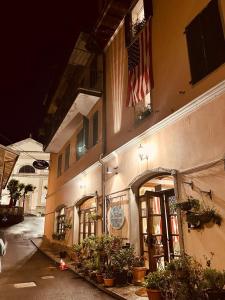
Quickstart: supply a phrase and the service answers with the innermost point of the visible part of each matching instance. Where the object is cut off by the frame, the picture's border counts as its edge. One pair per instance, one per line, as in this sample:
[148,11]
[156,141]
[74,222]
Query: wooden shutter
[67,157]
[148,9]
[95,128]
[196,50]
[79,145]
[214,41]
[85,132]
[206,43]
[128,25]
[59,169]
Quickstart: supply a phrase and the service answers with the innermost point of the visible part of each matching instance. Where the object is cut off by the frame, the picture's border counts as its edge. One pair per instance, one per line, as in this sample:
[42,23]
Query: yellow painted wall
[171,71]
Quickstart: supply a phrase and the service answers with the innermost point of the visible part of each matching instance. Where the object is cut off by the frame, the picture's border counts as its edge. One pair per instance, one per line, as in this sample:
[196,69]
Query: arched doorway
[159,233]
[88,216]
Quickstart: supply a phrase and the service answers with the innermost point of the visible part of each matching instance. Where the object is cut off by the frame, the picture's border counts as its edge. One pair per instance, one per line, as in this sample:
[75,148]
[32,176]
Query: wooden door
[158,228]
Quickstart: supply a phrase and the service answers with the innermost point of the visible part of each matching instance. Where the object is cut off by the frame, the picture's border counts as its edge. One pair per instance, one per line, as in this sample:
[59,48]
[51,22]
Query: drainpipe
[104,208]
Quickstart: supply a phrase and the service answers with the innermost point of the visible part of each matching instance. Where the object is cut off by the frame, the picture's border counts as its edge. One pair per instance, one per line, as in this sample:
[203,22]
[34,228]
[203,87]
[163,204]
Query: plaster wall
[171,71]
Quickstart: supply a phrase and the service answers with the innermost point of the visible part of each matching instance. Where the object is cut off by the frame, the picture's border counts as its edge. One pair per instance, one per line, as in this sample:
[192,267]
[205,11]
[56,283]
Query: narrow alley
[42,279]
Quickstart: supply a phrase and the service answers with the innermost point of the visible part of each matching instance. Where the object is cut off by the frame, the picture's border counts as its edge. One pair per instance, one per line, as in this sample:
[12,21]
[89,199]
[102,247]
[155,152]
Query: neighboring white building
[30,150]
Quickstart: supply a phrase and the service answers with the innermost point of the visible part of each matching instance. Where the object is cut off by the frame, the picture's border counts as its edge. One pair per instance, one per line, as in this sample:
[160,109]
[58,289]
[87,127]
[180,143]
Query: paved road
[24,263]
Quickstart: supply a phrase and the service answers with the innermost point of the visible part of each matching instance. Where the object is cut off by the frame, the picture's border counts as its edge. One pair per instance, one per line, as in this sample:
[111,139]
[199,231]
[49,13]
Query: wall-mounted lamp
[110,170]
[142,152]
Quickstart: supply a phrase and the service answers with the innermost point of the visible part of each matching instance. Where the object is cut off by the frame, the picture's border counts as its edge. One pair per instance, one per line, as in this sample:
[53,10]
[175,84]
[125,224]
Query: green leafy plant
[122,259]
[138,261]
[213,279]
[184,279]
[156,280]
[190,204]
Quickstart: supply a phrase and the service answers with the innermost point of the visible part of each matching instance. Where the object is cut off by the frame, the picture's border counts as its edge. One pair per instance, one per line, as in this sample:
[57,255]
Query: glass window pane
[93,227]
[156,225]
[155,206]
[176,245]
[174,225]
[144,225]
[145,243]
[143,209]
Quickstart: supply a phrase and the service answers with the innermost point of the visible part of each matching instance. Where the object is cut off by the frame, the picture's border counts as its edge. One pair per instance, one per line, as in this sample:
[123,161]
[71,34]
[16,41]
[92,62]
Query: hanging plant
[202,217]
[196,215]
[190,204]
[93,216]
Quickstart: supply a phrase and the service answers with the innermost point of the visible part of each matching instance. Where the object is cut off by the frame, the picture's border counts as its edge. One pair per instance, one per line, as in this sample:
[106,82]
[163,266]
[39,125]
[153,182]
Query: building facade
[149,134]
[29,151]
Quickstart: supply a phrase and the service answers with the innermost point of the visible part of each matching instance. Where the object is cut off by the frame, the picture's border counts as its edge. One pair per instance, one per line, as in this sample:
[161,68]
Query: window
[27,169]
[82,139]
[86,221]
[205,41]
[136,19]
[60,223]
[67,157]
[59,170]
[95,128]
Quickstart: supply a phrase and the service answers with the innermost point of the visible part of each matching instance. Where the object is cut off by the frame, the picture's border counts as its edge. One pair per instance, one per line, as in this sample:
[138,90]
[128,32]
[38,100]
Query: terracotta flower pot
[138,275]
[154,294]
[100,278]
[108,282]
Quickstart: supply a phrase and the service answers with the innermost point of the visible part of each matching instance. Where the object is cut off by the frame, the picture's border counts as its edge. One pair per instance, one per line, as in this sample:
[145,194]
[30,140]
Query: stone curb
[99,286]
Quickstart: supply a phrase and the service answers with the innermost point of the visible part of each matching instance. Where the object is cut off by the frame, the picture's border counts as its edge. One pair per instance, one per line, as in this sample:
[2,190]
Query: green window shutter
[95,128]
[67,157]
[59,169]
[85,133]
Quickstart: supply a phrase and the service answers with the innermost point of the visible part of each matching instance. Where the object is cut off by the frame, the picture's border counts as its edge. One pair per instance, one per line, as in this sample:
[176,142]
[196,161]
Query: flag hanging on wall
[140,80]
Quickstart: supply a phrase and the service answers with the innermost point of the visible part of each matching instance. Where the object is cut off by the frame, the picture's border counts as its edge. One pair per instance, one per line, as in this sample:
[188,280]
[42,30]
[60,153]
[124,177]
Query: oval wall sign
[116,217]
[40,164]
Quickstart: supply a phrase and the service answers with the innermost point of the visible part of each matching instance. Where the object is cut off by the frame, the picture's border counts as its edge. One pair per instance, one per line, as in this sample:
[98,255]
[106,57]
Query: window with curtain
[87,225]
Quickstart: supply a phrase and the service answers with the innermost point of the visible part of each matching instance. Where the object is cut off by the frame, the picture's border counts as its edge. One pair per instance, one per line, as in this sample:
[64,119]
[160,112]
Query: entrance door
[158,227]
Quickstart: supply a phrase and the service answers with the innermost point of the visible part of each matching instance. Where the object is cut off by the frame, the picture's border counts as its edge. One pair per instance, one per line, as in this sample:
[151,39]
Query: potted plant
[109,276]
[154,283]
[122,261]
[213,282]
[203,217]
[138,270]
[183,279]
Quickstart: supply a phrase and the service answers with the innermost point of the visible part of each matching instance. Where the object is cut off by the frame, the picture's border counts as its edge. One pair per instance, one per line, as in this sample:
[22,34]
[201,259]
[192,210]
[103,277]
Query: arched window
[27,169]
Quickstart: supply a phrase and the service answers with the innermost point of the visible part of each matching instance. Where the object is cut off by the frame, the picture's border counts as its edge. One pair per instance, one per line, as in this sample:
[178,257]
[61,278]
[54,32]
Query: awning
[8,158]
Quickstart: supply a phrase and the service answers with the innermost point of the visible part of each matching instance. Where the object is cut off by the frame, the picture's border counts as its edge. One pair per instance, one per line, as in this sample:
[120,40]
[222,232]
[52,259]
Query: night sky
[37,38]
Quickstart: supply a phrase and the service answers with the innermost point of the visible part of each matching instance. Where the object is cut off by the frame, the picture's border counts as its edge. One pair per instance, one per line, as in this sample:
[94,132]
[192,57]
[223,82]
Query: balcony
[80,89]
[112,13]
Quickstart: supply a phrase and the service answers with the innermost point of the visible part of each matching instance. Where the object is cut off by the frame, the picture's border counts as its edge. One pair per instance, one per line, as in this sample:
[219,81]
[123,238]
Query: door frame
[139,180]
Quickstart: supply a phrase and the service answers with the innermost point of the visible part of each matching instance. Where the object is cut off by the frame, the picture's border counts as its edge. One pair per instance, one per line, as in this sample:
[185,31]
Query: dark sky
[36,38]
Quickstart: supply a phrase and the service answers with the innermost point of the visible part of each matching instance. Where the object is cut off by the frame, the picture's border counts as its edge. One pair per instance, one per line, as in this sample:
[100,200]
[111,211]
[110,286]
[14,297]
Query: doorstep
[123,293]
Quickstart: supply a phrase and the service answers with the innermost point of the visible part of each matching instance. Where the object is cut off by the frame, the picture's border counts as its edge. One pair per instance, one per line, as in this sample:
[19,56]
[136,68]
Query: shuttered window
[67,157]
[95,128]
[59,169]
[205,41]
[82,139]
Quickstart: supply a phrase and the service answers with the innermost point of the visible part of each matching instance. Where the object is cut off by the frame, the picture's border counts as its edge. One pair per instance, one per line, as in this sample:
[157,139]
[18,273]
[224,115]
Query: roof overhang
[83,103]
[8,158]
